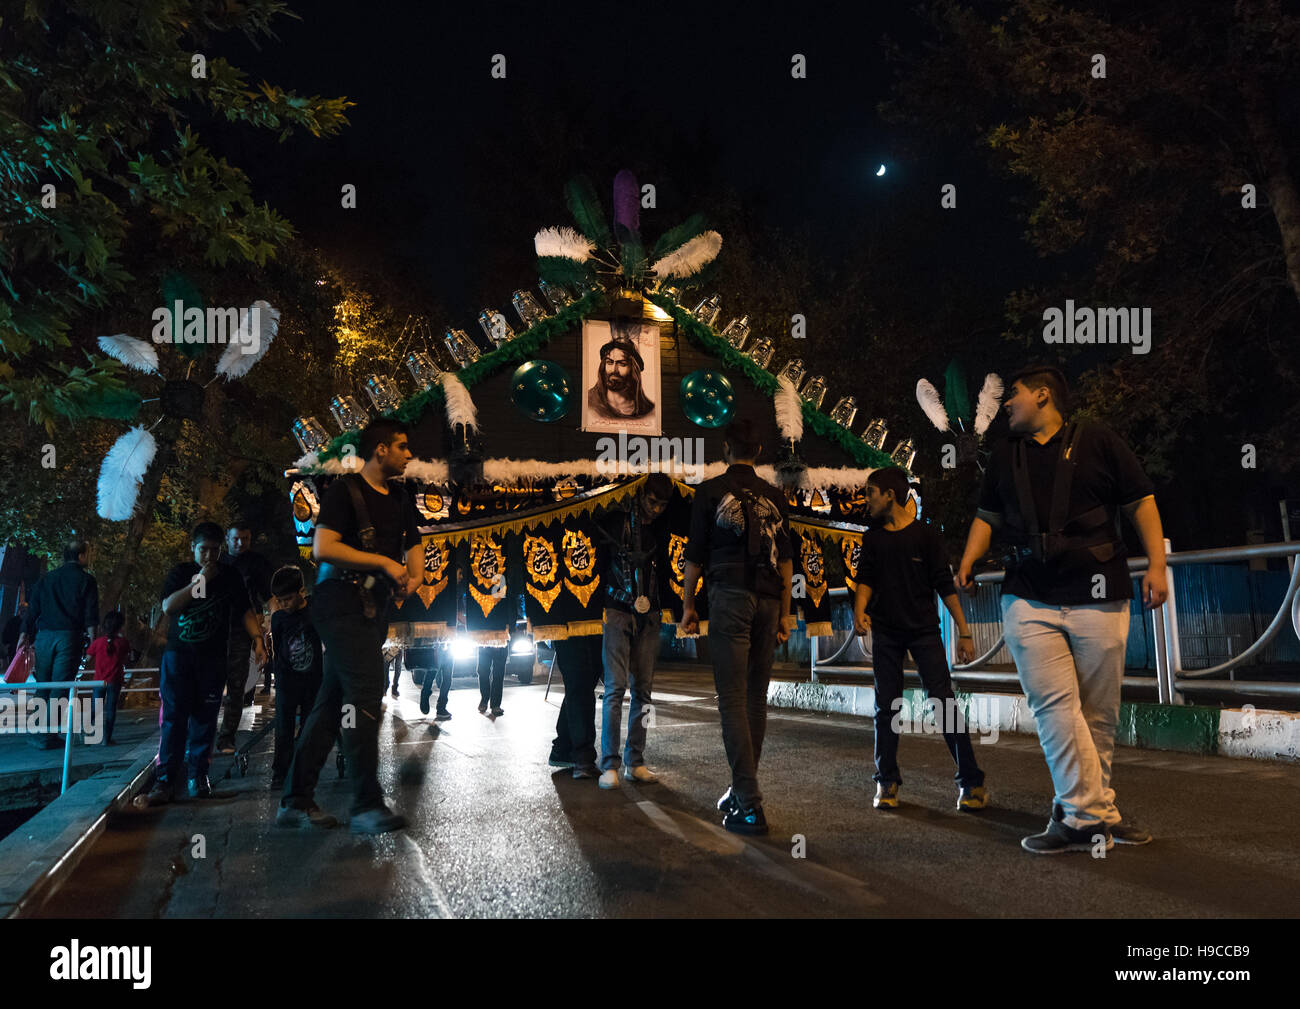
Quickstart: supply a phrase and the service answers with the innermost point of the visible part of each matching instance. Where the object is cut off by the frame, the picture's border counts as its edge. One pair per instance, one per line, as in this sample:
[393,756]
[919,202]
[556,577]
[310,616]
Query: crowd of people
[1052,491]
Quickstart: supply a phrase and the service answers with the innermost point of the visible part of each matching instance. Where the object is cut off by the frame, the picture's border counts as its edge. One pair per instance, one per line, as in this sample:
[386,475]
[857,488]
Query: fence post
[67,738]
[1173,653]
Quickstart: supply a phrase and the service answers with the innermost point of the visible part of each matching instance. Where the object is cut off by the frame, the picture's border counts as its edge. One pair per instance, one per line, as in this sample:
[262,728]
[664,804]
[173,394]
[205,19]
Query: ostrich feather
[789,410]
[690,257]
[460,406]
[131,352]
[928,396]
[627,202]
[236,361]
[563,242]
[987,407]
[122,472]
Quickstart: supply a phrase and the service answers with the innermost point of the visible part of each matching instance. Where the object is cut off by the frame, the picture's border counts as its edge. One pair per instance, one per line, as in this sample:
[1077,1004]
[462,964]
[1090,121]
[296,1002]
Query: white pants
[1071,664]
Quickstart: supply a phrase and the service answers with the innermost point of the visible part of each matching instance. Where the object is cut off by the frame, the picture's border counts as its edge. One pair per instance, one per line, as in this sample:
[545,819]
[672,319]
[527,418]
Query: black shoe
[746,821]
[482,708]
[394,690]
[1128,833]
[497,712]
[728,805]
[586,771]
[443,716]
[159,795]
[200,787]
[424,703]
[1059,838]
[555,761]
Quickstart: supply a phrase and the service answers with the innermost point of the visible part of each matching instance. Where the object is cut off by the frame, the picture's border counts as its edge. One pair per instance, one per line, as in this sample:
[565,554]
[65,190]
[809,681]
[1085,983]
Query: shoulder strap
[1024,493]
[1065,464]
[365,528]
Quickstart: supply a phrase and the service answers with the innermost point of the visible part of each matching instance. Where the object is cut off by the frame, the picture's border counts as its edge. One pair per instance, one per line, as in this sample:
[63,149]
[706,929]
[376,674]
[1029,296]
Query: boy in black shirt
[902,566]
[297,664]
[204,599]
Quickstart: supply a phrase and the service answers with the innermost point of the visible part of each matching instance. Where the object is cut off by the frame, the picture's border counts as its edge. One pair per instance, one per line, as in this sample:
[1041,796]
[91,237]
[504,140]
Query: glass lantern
[844,411]
[707,310]
[495,327]
[423,369]
[311,434]
[530,312]
[876,433]
[761,352]
[904,454]
[794,371]
[557,294]
[383,393]
[348,414]
[460,346]
[737,332]
[814,390]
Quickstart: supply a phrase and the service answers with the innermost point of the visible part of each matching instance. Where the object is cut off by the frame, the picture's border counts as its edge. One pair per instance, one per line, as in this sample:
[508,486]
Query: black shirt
[66,599]
[206,624]
[719,539]
[396,531]
[256,572]
[1106,474]
[298,652]
[904,568]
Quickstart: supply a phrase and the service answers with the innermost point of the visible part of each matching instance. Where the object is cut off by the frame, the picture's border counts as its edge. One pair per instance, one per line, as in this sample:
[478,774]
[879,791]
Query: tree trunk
[1282,195]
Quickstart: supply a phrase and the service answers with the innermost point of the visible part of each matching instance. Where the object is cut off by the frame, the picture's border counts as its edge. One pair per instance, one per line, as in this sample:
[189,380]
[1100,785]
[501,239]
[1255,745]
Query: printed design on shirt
[437,557]
[851,551]
[814,567]
[730,515]
[198,624]
[298,651]
[487,567]
[542,567]
[580,560]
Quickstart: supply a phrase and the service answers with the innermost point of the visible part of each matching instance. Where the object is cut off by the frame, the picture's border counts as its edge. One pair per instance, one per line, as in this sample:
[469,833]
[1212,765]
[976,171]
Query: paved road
[496,832]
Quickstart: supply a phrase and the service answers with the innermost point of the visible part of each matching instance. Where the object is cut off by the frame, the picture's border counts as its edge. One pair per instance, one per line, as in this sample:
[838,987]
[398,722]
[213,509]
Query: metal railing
[1172,681]
[43,691]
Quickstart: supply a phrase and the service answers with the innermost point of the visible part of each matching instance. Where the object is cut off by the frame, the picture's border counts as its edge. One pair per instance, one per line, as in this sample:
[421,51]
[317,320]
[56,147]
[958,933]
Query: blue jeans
[191,700]
[631,643]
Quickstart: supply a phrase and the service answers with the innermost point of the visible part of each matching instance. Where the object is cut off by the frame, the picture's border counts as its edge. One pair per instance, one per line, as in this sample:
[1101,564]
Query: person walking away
[902,565]
[740,533]
[1053,491]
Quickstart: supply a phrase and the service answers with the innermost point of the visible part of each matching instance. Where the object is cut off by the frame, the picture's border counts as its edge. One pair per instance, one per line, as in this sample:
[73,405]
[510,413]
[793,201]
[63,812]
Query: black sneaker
[497,712]
[200,787]
[1059,838]
[424,703]
[555,761]
[728,804]
[586,771]
[1128,833]
[482,708]
[746,821]
[443,716]
[380,820]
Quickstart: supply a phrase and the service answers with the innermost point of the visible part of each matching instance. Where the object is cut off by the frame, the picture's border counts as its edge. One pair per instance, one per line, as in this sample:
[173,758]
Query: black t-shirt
[205,625]
[256,572]
[298,652]
[1106,474]
[904,569]
[719,539]
[396,531]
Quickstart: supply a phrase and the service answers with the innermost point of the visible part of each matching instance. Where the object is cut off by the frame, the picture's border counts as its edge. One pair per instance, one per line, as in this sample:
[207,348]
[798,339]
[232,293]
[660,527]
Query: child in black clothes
[297,664]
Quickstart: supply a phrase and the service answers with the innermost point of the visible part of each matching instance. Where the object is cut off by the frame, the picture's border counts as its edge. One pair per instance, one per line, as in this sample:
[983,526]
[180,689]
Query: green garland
[524,346]
[709,341]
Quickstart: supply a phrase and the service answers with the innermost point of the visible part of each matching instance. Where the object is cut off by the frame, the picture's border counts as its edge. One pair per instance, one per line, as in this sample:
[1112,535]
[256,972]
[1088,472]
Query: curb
[49,846]
[1248,732]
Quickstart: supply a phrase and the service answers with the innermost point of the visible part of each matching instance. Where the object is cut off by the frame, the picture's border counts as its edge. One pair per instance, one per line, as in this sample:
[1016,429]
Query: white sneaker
[641,774]
[608,779]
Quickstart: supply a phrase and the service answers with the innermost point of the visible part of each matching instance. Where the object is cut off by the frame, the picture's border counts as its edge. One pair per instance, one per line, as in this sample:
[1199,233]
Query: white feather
[789,410]
[121,473]
[690,257]
[460,405]
[131,352]
[246,348]
[928,396]
[987,406]
[563,242]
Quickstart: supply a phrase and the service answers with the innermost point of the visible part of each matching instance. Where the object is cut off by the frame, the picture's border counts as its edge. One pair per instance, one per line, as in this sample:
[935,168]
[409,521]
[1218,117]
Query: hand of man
[964,580]
[965,649]
[782,633]
[690,623]
[862,624]
[1155,588]
[259,650]
[395,571]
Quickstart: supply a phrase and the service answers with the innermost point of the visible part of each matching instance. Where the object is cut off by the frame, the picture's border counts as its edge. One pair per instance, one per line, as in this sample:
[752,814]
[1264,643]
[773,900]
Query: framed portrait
[621,377]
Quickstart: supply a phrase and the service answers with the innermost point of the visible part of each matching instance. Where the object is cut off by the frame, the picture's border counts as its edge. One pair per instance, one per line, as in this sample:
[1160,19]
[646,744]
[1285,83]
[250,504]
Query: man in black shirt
[902,565]
[367,561]
[256,572]
[1053,492]
[740,532]
[631,626]
[61,620]
[205,600]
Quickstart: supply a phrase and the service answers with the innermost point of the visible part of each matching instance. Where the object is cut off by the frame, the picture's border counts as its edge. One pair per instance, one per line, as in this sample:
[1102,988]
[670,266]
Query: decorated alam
[517,447]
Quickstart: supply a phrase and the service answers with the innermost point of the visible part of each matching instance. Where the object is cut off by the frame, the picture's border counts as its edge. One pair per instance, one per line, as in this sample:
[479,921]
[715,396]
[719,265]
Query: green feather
[562,270]
[675,238]
[178,287]
[956,398]
[113,403]
[586,210]
[632,256]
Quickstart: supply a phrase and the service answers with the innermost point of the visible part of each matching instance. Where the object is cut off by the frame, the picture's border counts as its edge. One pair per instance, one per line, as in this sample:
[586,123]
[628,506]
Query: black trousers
[491,675]
[349,698]
[581,668]
[888,646]
[241,647]
[295,696]
[439,677]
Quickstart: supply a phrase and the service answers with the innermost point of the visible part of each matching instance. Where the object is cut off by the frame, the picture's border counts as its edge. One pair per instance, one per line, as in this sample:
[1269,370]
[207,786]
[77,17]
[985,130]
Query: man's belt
[333,572]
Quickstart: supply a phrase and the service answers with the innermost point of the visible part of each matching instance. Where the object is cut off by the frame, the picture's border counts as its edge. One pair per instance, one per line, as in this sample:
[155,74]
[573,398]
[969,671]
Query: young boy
[902,565]
[204,600]
[297,662]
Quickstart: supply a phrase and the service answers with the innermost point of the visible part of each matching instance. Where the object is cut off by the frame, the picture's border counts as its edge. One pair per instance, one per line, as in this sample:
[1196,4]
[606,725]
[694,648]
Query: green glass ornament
[540,390]
[707,398]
